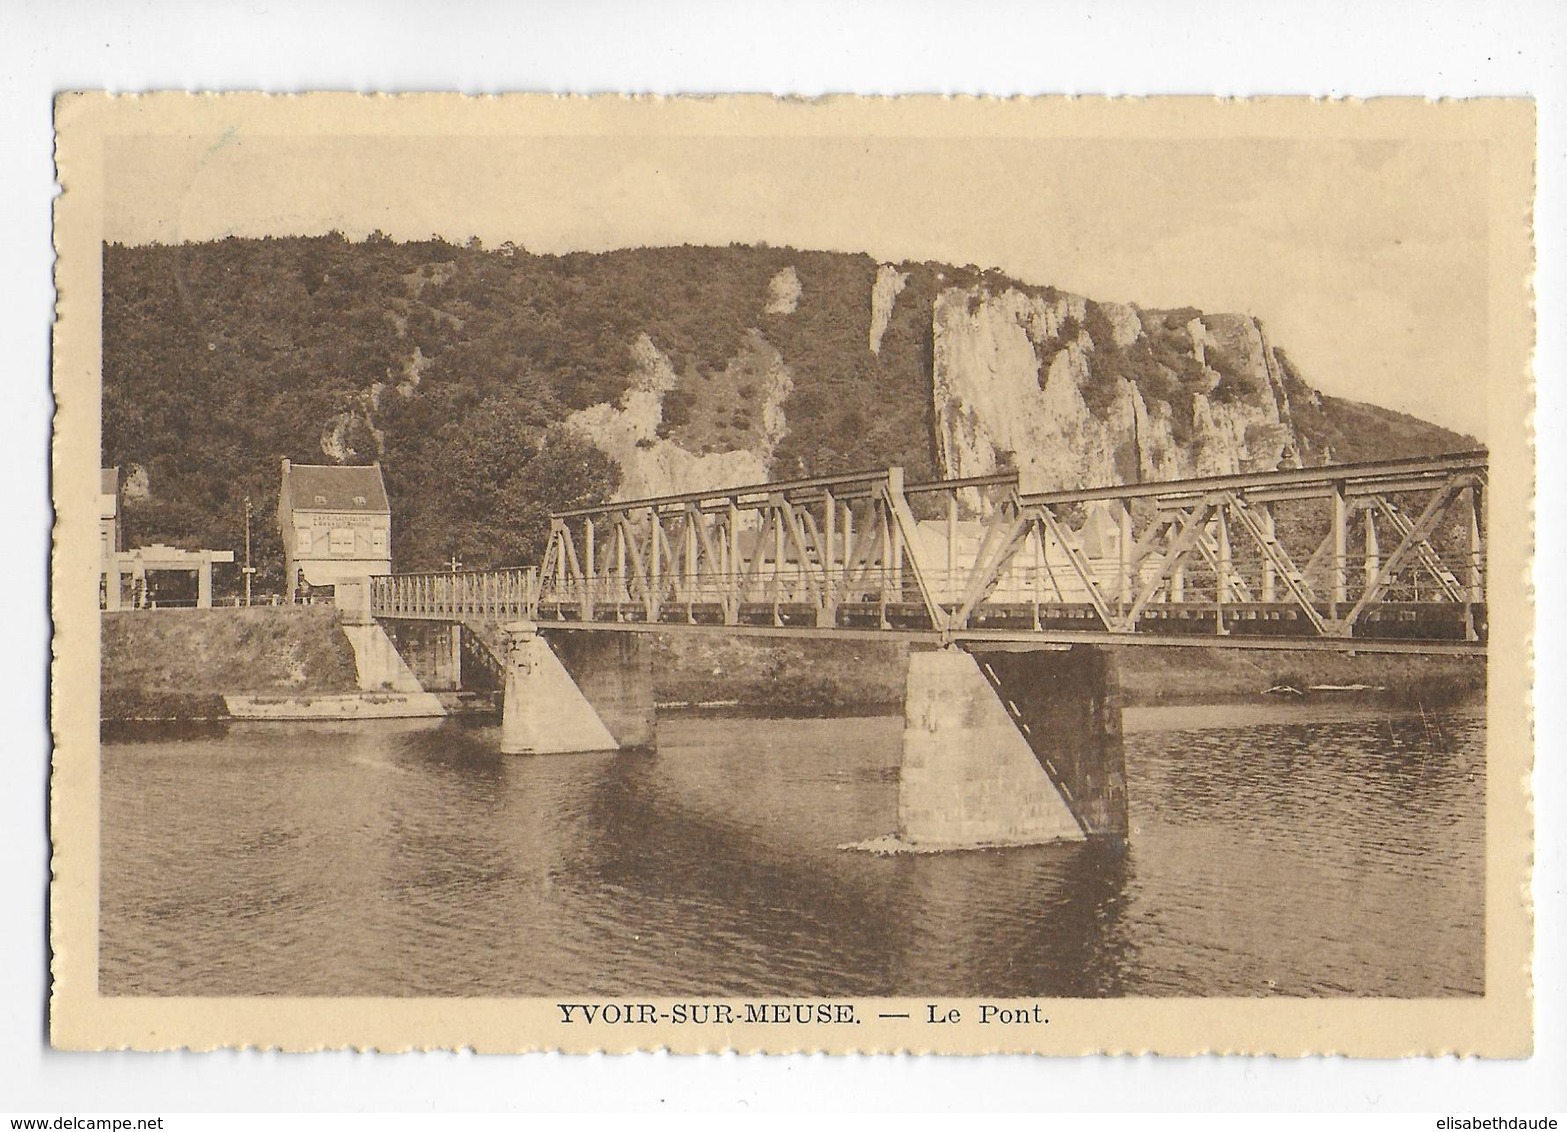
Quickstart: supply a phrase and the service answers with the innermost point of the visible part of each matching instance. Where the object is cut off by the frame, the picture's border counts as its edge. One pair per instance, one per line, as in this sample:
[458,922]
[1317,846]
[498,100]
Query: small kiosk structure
[124,574]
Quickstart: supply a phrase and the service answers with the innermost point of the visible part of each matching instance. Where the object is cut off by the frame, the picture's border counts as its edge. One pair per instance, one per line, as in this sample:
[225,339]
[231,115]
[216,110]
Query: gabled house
[336,524]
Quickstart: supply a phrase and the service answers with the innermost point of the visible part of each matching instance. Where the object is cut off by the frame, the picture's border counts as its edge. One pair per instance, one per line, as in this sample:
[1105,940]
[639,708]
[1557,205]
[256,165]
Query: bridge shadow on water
[1285,858]
[731,880]
[683,874]
[1282,859]
[754,899]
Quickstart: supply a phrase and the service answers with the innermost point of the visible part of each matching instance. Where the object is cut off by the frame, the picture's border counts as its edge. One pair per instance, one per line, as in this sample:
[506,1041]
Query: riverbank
[182,663]
[828,676]
[1152,675]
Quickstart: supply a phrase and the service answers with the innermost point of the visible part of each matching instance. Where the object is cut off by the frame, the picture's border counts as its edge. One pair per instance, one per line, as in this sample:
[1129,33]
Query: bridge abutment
[575,692]
[1011,748]
[432,649]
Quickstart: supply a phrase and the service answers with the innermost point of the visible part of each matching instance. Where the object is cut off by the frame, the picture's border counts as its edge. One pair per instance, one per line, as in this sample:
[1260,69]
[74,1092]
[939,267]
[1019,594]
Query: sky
[1365,257]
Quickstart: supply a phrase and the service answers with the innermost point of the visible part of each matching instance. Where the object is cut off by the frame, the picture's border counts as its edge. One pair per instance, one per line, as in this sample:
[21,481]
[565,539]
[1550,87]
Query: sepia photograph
[849,575]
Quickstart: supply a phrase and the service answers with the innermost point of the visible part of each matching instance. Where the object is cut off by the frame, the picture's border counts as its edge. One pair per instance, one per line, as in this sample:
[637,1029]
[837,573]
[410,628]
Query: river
[1276,850]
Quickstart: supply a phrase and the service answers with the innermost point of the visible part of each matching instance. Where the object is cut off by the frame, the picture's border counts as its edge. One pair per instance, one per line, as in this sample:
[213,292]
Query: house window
[320,501]
[302,541]
[378,541]
[341,541]
[360,500]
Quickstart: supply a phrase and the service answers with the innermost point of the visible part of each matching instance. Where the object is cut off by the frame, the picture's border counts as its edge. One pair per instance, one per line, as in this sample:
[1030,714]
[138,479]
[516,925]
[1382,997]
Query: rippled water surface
[1273,852]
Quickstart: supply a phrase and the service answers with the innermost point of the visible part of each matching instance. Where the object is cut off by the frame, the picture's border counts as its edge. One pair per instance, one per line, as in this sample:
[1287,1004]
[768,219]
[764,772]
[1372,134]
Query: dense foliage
[454,366]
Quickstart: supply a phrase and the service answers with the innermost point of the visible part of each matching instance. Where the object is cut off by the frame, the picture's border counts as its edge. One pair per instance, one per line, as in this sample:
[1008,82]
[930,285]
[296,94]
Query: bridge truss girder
[1218,556]
[774,553]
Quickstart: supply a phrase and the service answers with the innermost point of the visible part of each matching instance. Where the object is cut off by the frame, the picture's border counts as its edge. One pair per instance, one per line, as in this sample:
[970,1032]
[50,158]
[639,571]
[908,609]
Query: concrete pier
[614,672]
[597,695]
[1067,704]
[1011,748]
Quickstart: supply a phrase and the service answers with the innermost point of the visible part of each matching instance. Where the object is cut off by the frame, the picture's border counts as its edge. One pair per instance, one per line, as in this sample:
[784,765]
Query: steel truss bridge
[1383,556]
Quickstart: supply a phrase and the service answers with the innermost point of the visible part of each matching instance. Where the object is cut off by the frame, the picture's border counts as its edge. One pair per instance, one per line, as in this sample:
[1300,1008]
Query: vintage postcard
[855,575]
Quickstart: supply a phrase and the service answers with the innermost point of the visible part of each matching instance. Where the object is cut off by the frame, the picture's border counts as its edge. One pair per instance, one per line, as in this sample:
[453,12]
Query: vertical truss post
[1373,548]
[1340,534]
[691,559]
[1123,557]
[655,571]
[952,545]
[831,586]
[778,559]
[1036,537]
[884,533]
[848,546]
[733,572]
[590,570]
[1225,571]
[1474,591]
[622,588]
[1269,578]
[1475,549]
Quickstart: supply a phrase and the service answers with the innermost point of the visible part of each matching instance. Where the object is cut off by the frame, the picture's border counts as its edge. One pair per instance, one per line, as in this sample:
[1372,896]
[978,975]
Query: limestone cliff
[1077,394]
[1069,391]
[636,434]
[889,285]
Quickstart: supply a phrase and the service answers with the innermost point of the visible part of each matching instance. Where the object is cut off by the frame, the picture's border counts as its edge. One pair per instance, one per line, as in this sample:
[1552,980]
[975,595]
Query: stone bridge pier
[1000,746]
[1011,747]
[576,691]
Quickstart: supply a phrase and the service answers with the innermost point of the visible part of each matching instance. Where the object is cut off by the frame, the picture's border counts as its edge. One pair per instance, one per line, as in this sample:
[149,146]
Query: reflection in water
[1297,856]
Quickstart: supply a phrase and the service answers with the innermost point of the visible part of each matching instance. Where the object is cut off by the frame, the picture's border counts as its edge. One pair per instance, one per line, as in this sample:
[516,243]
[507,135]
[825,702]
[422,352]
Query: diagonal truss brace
[1415,538]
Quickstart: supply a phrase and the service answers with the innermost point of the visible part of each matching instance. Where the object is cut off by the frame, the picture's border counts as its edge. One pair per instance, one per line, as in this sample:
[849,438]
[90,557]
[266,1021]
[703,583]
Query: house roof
[317,487]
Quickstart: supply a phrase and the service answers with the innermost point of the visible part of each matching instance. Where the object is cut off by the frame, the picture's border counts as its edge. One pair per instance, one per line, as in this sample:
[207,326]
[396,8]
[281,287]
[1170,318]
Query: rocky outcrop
[1081,394]
[137,484]
[652,463]
[783,292]
[1070,392]
[351,436]
[884,293]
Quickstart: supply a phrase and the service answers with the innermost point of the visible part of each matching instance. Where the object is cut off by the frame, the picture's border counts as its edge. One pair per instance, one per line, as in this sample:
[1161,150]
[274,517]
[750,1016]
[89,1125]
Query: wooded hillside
[455,366]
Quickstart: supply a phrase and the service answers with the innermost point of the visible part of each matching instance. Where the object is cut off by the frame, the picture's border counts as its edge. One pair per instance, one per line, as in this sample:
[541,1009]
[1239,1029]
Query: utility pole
[455,638]
[249,569]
